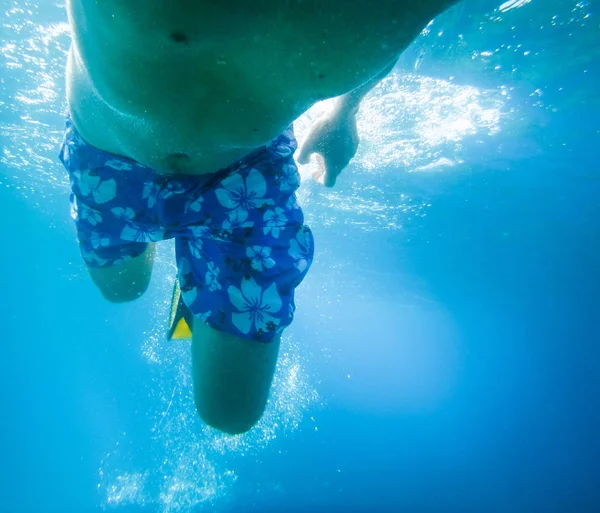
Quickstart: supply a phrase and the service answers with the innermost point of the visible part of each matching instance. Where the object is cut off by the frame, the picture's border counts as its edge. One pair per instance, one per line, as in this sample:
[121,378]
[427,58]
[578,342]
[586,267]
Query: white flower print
[98,241]
[236,220]
[275,221]
[194,205]
[171,188]
[91,257]
[88,214]
[101,190]
[212,277]
[125,213]
[300,248]
[119,165]
[137,233]
[196,248]
[289,178]
[203,316]
[151,191]
[261,257]
[200,230]
[255,306]
[133,231]
[149,194]
[242,194]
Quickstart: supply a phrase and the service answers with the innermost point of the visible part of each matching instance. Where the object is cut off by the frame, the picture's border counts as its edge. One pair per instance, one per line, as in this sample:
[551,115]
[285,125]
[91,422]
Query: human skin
[190,86]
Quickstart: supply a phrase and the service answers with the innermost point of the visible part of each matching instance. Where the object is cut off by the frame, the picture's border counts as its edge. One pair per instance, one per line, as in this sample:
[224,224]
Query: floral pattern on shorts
[240,240]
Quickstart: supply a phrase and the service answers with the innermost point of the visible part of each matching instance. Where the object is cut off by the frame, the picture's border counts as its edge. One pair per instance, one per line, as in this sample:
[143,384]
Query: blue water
[446,349]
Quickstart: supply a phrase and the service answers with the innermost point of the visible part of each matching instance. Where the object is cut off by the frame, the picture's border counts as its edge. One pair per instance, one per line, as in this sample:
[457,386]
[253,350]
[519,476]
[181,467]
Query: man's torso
[191,86]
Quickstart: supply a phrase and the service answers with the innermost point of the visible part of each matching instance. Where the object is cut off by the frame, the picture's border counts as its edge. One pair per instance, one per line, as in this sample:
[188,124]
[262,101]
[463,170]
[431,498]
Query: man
[177,128]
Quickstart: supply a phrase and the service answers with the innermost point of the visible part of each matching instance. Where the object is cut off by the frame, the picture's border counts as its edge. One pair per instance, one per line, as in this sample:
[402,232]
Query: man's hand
[334,136]
[335,139]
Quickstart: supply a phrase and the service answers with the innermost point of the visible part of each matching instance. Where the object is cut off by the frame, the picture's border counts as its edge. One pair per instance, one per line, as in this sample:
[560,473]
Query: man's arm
[334,136]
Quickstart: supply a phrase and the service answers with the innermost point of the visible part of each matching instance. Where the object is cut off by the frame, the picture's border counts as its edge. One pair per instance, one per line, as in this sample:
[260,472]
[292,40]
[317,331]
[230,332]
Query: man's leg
[125,281]
[239,262]
[232,377]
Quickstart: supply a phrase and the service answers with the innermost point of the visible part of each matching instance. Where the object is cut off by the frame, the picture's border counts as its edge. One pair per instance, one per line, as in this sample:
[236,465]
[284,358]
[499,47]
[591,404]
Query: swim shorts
[240,240]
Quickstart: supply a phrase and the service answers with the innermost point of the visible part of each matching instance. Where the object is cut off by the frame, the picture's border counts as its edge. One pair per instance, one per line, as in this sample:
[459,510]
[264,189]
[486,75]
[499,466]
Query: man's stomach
[177,132]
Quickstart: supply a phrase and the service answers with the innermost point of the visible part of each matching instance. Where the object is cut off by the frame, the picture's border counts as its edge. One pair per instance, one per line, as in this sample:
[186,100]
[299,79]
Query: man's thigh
[232,377]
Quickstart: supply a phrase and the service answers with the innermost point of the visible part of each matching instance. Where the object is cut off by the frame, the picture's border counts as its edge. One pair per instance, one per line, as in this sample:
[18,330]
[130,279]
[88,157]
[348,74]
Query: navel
[179,37]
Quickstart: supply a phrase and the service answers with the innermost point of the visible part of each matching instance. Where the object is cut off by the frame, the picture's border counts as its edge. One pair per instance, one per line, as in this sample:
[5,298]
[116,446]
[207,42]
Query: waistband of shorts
[279,148]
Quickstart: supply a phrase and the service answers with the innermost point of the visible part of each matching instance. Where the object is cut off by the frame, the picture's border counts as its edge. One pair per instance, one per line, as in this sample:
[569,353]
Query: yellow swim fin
[180,318]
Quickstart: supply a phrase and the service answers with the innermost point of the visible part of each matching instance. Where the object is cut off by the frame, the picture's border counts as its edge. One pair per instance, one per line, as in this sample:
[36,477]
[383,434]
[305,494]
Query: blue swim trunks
[240,240]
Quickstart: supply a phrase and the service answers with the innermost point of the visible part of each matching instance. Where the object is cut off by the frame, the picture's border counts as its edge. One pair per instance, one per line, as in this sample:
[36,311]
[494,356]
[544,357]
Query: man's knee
[125,281]
[228,420]
[119,292]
